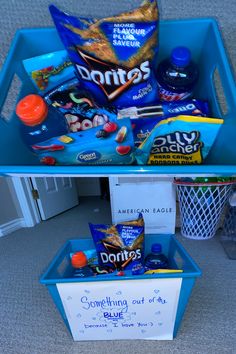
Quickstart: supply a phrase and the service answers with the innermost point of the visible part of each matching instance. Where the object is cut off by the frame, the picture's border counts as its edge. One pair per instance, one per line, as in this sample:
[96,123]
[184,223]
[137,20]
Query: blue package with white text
[114,57]
[110,144]
[120,246]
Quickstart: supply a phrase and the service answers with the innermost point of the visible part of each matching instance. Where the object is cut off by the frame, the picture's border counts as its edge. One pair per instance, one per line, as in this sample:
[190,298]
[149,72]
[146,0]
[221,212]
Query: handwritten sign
[136,309]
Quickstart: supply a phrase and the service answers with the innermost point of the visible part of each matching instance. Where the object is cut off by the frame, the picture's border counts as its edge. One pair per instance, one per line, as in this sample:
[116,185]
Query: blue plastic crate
[202,36]
[59,272]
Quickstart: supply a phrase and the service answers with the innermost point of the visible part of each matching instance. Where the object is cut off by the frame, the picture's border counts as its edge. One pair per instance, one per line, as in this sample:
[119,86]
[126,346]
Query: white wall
[9,206]
[11,217]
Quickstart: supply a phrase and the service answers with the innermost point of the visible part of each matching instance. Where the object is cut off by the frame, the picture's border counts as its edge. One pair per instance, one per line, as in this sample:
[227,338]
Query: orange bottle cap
[79,260]
[32,110]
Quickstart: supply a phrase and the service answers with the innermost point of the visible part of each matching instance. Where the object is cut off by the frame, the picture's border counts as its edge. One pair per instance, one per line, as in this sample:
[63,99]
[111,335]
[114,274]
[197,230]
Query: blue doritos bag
[119,246]
[114,56]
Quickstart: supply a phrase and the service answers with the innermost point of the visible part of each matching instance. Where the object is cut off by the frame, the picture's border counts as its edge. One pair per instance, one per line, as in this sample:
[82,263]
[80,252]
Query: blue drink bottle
[177,75]
[156,260]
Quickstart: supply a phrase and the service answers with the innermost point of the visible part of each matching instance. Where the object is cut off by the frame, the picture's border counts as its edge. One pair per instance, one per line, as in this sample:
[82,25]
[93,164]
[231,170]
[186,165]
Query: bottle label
[166,95]
[155,263]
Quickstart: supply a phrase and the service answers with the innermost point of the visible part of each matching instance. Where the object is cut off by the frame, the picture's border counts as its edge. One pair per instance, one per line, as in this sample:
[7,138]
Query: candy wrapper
[120,246]
[109,144]
[183,140]
[114,57]
[49,70]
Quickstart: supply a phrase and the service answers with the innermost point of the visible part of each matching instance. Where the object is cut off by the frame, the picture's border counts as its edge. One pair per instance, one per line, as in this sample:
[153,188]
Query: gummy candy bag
[78,106]
[114,56]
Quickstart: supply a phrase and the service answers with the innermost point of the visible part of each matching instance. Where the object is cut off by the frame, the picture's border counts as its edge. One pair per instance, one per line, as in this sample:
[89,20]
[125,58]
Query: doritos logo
[111,78]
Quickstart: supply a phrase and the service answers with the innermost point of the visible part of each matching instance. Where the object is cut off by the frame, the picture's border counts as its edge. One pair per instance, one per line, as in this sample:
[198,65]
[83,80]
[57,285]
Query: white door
[54,195]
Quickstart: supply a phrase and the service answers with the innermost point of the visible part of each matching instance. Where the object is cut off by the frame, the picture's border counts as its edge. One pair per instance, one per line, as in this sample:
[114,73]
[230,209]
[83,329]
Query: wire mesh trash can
[201,206]
[228,233]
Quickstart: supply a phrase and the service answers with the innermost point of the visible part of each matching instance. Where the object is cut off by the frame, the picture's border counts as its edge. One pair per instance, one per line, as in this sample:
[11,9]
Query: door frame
[23,189]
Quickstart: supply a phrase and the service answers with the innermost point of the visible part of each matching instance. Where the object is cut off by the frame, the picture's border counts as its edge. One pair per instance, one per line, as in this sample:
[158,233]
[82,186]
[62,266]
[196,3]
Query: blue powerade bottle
[177,75]
[156,259]
[40,122]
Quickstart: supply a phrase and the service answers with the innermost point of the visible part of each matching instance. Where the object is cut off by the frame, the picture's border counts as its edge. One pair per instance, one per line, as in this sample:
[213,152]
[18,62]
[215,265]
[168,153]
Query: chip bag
[120,245]
[114,56]
[182,140]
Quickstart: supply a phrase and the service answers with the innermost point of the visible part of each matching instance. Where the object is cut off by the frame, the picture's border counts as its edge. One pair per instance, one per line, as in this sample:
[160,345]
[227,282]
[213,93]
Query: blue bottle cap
[180,56]
[156,248]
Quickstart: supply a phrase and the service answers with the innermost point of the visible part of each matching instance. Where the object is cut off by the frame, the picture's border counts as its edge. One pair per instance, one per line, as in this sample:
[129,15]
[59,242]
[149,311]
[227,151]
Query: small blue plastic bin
[203,38]
[59,272]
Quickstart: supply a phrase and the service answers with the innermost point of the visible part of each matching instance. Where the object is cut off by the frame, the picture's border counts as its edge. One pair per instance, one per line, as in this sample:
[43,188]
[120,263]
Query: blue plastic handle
[8,70]
[225,72]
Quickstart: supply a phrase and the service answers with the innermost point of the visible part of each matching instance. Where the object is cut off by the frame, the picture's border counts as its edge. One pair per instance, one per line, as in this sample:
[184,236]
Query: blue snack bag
[120,245]
[114,57]
[49,70]
[182,140]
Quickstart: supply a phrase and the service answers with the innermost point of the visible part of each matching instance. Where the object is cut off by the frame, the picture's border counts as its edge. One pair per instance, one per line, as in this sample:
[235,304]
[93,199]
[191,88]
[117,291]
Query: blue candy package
[145,118]
[114,57]
[49,70]
[120,245]
[109,144]
[142,128]
[182,140]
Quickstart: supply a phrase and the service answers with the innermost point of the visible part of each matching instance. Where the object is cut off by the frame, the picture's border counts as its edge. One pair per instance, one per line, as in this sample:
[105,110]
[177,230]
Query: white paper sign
[128,309]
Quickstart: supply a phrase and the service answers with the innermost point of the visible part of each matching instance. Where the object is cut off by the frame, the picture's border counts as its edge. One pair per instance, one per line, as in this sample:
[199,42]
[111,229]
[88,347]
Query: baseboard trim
[11,226]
